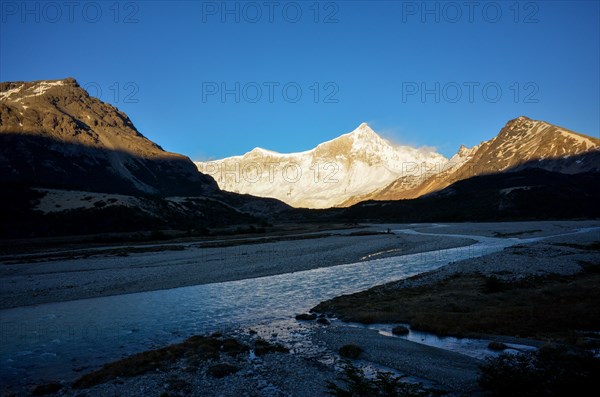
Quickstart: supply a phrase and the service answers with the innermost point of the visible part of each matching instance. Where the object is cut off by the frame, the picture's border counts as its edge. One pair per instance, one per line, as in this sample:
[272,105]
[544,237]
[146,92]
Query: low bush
[222,370]
[400,330]
[549,372]
[383,385]
[350,351]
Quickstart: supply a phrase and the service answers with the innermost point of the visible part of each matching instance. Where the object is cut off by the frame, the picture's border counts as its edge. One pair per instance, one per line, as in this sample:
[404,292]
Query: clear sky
[213,79]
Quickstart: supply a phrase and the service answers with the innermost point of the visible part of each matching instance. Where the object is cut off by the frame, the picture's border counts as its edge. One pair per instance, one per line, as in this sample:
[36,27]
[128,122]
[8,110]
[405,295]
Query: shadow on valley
[116,191]
[34,160]
[194,215]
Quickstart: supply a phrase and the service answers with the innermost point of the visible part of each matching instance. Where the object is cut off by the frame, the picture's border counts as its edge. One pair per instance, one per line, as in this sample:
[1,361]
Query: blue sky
[167,65]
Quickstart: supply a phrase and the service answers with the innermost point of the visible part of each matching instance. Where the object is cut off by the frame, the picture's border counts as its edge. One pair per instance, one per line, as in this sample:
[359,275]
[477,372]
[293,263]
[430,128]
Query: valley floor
[313,358]
[53,276]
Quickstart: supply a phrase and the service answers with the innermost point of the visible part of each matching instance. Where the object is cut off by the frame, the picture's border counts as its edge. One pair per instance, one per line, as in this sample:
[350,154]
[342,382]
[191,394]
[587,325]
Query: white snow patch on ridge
[44,86]
[4,95]
[37,89]
[586,142]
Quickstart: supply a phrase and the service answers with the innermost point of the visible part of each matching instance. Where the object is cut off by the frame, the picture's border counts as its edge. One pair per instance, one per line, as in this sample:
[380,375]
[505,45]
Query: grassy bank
[551,307]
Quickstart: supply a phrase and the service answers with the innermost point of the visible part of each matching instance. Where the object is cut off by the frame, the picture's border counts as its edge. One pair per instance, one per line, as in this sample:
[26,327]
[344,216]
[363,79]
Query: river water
[56,341]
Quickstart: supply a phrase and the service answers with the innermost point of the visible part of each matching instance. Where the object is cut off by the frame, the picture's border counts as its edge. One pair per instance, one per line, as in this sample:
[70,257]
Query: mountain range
[73,164]
[361,165]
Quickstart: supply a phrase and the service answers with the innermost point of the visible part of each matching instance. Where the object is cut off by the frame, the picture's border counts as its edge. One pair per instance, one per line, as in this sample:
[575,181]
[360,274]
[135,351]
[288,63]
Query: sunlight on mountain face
[353,164]
[361,165]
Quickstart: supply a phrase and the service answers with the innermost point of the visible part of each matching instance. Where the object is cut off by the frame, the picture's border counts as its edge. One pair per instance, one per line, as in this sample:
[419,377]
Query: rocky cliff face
[53,134]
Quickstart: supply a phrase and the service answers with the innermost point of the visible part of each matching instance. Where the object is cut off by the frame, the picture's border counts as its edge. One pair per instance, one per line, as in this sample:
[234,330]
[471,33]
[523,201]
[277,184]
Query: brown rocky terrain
[62,151]
[54,134]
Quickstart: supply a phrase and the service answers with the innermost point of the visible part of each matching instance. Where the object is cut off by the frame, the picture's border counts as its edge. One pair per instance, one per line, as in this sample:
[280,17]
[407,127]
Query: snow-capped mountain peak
[363,132]
[364,138]
[352,164]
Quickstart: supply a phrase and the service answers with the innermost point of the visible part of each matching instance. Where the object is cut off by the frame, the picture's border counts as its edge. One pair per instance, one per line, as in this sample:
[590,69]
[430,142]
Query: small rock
[43,390]
[400,330]
[323,321]
[350,351]
[222,370]
[497,346]
[306,317]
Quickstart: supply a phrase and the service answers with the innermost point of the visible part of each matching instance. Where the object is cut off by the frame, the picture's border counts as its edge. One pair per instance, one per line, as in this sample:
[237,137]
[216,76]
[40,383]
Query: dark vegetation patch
[590,267]
[306,317]
[177,385]
[384,384]
[350,351]
[595,246]
[366,233]
[497,346]
[493,284]
[262,347]
[471,304]
[514,234]
[400,330]
[46,389]
[60,256]
[549,371]
[273,239]
[222,370]
[194,350]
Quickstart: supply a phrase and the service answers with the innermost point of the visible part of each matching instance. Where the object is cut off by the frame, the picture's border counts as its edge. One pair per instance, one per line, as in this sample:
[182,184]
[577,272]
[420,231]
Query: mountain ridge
[519,142]
[66,131]
[74,164]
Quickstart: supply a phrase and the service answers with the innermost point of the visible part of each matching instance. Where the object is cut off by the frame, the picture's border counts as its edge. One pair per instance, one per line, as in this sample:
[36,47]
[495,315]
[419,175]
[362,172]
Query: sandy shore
[163,266]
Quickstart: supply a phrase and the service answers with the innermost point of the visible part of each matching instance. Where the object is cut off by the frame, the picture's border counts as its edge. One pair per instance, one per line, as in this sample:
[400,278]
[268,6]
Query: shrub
[549,371]
[222,370]
[350,351]
[233,347]
[497,346]
[493,284]
[383,385]
[43,390]
[400,330]
[306,317]
[262,347]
